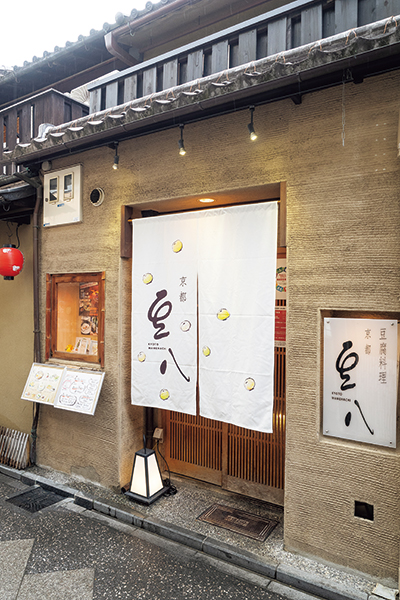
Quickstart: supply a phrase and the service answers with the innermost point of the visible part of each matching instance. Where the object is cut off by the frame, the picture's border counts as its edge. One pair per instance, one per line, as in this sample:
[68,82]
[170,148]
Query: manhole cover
[239,521]
[35,499]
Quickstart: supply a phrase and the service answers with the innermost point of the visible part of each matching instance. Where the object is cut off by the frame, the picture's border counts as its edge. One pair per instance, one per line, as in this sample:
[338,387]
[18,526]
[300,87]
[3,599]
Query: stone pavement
[67,552]
[175,518]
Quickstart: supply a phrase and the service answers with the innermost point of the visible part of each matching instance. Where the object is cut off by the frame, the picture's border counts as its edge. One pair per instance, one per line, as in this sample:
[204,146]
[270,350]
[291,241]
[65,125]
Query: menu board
[43,383]
[79,391]
[70,389]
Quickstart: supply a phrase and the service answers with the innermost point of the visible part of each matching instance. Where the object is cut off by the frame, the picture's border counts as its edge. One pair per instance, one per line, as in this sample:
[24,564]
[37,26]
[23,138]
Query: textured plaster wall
[92,446]
[16,335]
[343,253]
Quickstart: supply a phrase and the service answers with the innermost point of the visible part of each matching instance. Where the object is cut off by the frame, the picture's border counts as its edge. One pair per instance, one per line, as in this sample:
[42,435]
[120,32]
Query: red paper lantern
[11,261]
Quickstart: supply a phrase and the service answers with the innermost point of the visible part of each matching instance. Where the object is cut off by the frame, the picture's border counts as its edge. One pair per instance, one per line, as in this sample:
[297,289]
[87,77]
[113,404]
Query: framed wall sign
[43,383]
[360,380]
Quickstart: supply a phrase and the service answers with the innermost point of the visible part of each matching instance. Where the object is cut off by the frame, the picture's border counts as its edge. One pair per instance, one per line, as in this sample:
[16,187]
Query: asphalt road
[67,553]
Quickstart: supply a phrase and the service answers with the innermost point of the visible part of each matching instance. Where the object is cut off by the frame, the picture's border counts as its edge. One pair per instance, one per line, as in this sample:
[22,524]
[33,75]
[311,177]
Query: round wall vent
[97,196]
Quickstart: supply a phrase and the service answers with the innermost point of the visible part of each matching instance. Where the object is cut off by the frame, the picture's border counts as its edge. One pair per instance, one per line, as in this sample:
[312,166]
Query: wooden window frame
[52,280]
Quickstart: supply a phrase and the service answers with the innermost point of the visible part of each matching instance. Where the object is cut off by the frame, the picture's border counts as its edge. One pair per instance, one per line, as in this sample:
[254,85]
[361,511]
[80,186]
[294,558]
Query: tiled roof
[189,101]
[120,19]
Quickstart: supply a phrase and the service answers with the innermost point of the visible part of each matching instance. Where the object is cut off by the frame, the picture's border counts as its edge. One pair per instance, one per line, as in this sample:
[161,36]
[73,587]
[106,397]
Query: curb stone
[288,592]
[28,479]
[316,584]
[174,532]
[84,501]
[13,473]
[241,558]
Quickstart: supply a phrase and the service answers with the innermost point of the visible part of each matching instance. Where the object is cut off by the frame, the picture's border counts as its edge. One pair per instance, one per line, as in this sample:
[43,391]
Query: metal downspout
[36,314]
[149,425]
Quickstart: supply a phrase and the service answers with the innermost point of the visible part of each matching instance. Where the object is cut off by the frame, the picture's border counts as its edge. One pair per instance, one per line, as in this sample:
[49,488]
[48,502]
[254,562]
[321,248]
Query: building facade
[326,114]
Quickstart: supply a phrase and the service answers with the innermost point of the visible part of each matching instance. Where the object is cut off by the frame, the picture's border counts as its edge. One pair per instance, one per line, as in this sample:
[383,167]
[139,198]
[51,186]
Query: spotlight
[182,150]
[250,126]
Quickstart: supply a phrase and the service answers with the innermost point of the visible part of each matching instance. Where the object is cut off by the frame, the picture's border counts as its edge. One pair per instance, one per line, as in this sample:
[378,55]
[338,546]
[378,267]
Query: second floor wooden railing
[291,26]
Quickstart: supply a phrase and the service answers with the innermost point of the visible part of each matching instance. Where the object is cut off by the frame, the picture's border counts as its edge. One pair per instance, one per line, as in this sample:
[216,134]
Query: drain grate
[35,499]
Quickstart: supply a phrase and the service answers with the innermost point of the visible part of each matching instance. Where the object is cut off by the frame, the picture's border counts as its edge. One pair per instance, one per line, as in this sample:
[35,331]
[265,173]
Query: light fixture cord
[171,487]
[9,232]
[16,233]
[343,110]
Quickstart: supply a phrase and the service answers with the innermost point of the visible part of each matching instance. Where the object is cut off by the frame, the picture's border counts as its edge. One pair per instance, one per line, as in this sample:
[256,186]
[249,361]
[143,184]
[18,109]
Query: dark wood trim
[127,214]
[282,216]
[254,490]
[224,457]
[48,317]
[102,318]
[195,472]
[51,315]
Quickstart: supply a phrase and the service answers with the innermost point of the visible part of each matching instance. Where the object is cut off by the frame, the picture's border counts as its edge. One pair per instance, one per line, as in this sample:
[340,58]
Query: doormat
[35,499]
[239,521]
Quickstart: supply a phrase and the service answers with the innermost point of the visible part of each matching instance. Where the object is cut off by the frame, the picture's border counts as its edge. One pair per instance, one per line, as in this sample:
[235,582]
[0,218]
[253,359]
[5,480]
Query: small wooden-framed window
[75,317]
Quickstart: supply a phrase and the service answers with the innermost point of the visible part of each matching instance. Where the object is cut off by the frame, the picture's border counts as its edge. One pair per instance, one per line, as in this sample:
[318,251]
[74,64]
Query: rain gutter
[292,87]
[290,74]
[36,312]
[111,38]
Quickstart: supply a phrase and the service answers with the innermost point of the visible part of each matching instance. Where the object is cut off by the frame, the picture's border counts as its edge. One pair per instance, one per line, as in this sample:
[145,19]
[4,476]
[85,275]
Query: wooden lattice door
[240,460]
[244,461]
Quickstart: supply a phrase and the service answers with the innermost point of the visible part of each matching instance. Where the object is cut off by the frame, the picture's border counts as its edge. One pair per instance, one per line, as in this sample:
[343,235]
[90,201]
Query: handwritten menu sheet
[69,389]
[79,391]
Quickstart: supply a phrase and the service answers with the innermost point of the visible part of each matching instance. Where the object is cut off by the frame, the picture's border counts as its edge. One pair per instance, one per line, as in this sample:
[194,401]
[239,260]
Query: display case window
[68,187]
[75,317]
[53,189]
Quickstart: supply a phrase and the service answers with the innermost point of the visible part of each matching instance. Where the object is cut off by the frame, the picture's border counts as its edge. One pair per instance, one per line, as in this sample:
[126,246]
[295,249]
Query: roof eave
[288,74]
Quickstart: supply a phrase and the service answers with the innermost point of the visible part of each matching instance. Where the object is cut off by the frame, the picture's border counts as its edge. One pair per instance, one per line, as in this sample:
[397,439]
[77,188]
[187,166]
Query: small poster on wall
[280,303]
[79,391]
[43,383]
[360,380]
[281,281]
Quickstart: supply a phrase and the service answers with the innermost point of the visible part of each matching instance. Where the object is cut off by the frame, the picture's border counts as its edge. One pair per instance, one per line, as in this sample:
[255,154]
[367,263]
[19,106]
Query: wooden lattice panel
[196,440]
[260,457]
[218,453]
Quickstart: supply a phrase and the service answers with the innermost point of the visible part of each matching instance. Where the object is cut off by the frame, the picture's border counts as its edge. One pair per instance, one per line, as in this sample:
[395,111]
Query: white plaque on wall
[360,380]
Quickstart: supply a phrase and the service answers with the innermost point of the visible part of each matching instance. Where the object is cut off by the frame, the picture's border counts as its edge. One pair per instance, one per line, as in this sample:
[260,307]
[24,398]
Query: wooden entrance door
[237,459]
